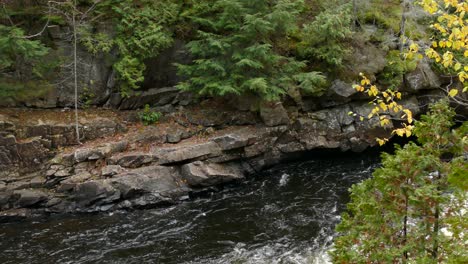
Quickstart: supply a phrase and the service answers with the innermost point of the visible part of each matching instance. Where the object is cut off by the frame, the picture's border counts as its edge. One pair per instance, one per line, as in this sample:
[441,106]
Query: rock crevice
[127,172]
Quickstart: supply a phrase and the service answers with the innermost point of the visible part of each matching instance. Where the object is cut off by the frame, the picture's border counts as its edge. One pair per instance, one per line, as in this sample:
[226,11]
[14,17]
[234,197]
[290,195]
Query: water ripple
[284,215]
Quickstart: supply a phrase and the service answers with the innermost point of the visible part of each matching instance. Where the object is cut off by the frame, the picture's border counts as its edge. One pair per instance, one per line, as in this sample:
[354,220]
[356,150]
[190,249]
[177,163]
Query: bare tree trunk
[402,33]
[405,231]
[75,72]
[435,246]
[355,18]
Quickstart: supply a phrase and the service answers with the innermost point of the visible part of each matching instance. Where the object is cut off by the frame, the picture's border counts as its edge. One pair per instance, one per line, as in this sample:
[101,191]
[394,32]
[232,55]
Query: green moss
[397,67]
[384,14]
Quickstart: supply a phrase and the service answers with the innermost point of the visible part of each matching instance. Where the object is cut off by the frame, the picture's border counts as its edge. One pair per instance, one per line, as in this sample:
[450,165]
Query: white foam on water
[284,179]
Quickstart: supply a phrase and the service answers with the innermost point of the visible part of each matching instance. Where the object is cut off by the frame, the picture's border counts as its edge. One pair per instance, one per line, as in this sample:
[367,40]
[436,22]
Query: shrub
[149,117]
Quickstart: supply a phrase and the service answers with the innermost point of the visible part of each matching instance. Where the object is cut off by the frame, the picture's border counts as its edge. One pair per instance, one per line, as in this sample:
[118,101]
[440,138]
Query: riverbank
[124,165]
[285,214]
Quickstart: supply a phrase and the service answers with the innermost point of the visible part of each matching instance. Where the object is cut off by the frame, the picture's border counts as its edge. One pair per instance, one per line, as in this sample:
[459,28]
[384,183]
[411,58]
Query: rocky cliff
[124,165]
[199,144]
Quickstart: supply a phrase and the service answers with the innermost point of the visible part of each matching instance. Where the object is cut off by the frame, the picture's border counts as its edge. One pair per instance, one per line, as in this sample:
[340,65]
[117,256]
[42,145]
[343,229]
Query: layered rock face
[198,144]
[190,152]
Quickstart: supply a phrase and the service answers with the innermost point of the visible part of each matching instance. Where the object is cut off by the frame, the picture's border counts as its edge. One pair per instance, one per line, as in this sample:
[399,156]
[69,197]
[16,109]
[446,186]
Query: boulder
[101,127]
[274,114]
[358,144]
[32,154]
[63,173]
[342,88]
[246,102]
[367,58]
[187,153]
[175,135]
[231,141]
[99,152]
[111,170]
[88,193]
[18,185]
[14,215]
[312,142]
[73,181]
[201,174]
[9,156]
[207,117]
[152,179]
[37,182]
[421,78]
[331,120]
[153,97]
[28,198]
[133,159]
[411,103]
[150,134]
[5,198]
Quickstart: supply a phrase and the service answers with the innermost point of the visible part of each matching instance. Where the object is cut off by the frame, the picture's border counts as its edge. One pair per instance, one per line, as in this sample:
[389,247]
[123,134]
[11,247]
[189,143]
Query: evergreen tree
[234,50]
[143,31]
[323,39]
[22,67]
[413,209]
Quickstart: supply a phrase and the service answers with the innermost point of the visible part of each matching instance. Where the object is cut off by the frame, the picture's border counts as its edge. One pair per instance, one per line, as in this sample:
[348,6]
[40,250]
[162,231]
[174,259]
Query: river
[284,215]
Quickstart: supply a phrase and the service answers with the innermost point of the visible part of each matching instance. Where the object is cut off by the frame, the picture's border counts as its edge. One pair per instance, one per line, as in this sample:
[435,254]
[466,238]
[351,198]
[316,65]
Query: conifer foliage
[143,31]
[234,50]
[413,209]
[18,53]
[324,37]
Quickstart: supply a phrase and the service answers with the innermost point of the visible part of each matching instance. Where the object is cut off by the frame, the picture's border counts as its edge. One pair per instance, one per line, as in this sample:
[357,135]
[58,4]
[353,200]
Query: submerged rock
[13,215]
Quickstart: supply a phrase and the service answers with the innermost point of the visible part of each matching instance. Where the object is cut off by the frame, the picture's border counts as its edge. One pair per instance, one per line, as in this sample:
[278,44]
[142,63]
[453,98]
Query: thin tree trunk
[403,25]
[356,22]
[435,232]
[75,73]
[405,230]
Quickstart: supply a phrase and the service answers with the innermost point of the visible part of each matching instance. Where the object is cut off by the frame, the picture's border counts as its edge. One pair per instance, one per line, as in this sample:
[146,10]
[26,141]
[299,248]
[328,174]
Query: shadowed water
[284,215]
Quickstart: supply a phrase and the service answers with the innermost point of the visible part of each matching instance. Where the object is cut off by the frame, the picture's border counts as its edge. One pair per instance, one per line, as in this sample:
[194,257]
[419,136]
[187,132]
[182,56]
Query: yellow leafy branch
[451,50]
[385,106]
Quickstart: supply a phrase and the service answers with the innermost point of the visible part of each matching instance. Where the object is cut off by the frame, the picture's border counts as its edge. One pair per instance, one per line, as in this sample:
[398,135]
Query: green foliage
[386,15]
[131,72]
[19,54]
[143,31]
[14,45]
[149,117]
[95,43]
[235,49]
[397,66]
[12,89]
[413,209]
[324,38]
[86,97]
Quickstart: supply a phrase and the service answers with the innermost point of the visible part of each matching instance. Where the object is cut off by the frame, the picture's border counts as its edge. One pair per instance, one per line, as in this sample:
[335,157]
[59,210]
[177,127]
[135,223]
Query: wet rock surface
[203,174]
[166,163]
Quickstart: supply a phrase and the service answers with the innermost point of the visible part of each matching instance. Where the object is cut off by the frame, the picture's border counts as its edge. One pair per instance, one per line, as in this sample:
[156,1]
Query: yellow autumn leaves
[385,108]
[451,49]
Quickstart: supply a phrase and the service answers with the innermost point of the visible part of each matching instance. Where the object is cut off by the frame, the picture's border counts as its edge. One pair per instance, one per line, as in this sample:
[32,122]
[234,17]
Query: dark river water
[284,215]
